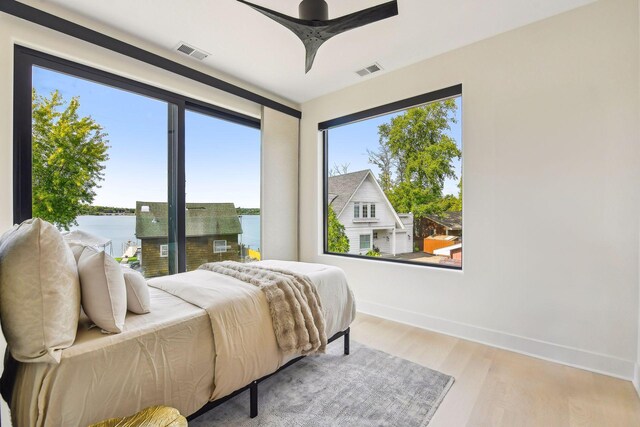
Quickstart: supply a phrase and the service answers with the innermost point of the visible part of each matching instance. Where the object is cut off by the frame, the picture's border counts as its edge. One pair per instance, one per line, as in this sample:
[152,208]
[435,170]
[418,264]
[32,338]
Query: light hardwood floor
[500,388]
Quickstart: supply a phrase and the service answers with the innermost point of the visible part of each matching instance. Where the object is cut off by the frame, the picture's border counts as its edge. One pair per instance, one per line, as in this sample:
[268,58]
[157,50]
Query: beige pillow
[138,299]
[76,249]
[104,295]
[39,292]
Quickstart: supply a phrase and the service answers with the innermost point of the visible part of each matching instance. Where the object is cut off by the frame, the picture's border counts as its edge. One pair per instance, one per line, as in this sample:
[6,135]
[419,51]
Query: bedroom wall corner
[550,140]
[279,186]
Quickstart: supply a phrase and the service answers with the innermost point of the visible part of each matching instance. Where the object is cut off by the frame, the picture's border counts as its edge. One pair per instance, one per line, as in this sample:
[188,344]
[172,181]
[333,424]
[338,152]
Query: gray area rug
[367,388]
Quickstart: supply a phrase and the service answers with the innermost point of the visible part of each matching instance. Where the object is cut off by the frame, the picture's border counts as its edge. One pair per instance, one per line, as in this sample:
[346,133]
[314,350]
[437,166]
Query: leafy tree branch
[69,153]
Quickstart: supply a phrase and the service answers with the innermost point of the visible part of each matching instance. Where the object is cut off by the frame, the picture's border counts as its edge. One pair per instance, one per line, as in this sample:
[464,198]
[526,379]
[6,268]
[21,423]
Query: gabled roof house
[370,221]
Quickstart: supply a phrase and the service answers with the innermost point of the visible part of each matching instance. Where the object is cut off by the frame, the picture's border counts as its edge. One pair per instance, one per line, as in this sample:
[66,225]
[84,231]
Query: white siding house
[367,215]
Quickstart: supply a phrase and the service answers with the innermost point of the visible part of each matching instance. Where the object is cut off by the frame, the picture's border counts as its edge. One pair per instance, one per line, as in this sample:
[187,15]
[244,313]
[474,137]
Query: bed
[176,355]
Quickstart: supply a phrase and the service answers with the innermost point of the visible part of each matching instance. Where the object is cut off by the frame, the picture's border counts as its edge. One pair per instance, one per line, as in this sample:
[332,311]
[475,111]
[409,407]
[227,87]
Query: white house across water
[367,215]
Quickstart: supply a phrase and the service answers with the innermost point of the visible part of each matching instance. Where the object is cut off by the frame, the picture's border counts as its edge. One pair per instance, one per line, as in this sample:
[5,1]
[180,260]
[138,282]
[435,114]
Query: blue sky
[222,158]
[348,144]
[222,161]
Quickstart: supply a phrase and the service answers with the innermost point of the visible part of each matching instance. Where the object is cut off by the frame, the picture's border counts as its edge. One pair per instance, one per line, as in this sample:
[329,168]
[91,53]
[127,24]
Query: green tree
[338,242]
[69,152]
[450,202]
[416,149]
[383,160]
[457,204]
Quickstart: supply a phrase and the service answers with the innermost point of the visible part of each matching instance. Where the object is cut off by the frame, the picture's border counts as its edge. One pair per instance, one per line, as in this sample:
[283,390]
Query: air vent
[374,68]
[186,49]
[192,51]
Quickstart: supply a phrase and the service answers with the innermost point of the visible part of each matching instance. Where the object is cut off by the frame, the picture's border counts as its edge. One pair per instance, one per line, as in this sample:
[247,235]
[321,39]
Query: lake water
[121,229]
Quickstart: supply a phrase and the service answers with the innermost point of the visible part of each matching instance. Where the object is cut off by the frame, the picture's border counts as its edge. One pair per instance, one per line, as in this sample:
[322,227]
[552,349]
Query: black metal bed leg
[253,399]
[346,341]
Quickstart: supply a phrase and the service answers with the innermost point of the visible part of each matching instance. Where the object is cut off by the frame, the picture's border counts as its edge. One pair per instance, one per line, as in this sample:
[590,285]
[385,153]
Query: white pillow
[138,299]
[39,292]
[104,294]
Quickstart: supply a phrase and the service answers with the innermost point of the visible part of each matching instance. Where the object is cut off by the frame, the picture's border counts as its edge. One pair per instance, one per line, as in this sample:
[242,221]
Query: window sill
[361,220]
[441,267]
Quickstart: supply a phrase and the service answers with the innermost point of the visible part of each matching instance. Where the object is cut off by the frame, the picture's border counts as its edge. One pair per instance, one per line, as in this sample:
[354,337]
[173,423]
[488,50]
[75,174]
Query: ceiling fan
[314,26]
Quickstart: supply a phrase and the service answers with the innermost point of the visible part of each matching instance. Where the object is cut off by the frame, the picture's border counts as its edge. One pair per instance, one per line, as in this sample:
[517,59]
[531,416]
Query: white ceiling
[251,47]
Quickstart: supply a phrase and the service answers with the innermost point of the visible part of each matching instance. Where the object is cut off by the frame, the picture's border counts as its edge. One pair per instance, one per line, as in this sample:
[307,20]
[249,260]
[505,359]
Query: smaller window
[364,211]
[164,251]
[219,246]
[375,234]
[365,242]
[373,210]
[356,210]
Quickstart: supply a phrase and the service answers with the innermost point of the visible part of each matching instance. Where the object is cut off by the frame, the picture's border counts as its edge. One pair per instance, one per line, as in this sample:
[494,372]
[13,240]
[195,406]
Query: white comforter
[246,347]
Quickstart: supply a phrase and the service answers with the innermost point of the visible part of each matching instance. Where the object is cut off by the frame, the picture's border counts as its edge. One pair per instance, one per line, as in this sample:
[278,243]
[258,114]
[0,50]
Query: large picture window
[105,158]
[393,181]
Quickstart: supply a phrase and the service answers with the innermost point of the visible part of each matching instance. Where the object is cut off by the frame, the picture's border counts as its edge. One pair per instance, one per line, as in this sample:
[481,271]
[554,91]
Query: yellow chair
[155,416]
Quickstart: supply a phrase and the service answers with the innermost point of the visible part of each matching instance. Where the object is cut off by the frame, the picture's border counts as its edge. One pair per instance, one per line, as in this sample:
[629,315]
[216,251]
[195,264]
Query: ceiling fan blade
[361,18]
[314,33]
[311,47]
[309,32]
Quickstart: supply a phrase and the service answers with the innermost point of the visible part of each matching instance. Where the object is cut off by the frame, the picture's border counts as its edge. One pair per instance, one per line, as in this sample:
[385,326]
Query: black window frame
[324,127]
[24,61]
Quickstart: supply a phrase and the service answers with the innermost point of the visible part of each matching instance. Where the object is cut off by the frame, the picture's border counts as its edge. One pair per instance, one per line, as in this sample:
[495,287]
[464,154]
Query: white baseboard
[591,361]
[636,378]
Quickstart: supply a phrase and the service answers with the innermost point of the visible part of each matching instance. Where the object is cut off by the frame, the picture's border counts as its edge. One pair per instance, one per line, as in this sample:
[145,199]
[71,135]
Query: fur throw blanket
[294,304]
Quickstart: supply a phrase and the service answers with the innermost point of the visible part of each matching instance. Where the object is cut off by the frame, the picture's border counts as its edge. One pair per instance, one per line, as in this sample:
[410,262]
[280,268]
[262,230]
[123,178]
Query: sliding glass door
[103,158]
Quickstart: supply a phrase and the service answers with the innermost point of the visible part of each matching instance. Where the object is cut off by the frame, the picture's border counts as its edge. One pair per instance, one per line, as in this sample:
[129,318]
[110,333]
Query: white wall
[551,166]
[279,214]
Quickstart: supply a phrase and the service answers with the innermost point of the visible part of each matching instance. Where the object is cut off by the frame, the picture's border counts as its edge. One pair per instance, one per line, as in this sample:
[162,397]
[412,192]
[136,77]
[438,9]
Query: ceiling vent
[191,51]
[369,70]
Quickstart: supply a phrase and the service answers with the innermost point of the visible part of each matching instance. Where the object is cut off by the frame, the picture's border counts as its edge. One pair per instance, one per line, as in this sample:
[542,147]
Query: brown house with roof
[446,223]
[212,235]
[442,225]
